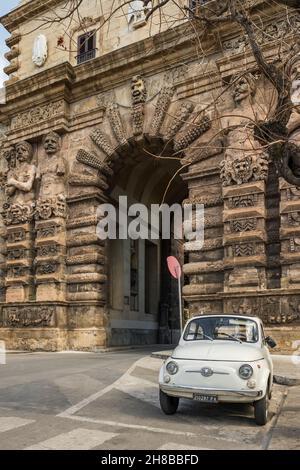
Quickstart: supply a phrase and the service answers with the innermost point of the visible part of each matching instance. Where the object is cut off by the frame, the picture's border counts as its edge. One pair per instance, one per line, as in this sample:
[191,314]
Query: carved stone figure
[244,158]
[291,164]
[46,208]
[17,213]
[21,174]
[137,11]
[52,169]
[40,50]
[138,90]
[138,97]
[244,169]
[243,90]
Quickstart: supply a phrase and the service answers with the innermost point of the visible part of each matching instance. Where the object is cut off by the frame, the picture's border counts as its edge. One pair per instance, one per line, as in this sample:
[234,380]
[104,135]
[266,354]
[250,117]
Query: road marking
[140,389]
[125,383]
[151,363]
[78,439]
[130,426]
[75,408]
[174,446]
[9,423]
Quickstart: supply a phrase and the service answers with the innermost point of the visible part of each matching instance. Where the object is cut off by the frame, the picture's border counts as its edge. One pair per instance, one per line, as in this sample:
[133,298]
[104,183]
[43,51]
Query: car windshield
[225,328]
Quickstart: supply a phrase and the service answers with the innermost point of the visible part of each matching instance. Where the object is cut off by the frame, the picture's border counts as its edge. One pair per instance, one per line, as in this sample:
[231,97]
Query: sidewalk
[286,368]
[286,432]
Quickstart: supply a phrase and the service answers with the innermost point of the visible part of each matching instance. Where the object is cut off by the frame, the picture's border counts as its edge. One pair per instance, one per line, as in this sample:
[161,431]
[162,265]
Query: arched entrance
[135,152]
[142,298]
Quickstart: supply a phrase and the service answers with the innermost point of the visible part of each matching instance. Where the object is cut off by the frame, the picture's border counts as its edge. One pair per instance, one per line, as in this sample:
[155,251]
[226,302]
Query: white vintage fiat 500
[220,358]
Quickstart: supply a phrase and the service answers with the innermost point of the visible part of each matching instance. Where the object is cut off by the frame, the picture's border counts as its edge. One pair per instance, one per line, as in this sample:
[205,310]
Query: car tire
[168,404]
[261,410]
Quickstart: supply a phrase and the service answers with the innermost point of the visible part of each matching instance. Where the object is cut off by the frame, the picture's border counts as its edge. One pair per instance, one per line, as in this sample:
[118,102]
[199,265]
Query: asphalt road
[110,401]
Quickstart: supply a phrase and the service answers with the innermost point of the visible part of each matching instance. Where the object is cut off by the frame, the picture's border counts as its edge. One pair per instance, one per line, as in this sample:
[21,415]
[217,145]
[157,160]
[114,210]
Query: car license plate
[206,398]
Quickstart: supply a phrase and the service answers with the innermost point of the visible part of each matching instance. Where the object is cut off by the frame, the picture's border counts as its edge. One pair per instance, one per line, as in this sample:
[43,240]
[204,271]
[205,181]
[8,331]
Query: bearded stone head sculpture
[243,87]
[52,143]
[138,90]
[242,170]
[24,152]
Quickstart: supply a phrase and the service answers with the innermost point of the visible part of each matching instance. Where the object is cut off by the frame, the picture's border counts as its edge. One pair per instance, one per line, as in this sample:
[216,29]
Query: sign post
[175,270]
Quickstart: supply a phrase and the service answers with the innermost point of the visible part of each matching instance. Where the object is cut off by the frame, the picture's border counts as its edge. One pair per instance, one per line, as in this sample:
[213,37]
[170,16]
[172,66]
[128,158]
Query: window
[193,4]
[86,47]
[224,328]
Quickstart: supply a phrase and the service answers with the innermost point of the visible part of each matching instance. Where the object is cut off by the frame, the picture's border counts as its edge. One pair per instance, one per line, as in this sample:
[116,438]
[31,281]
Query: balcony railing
[194,5]
[86,56]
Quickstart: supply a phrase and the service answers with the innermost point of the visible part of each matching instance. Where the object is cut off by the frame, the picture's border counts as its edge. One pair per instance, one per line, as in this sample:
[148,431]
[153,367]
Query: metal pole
[180,304]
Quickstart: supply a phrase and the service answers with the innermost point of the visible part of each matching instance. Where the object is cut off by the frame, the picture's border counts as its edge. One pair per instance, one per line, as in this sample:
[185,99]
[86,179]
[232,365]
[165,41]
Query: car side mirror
[270,342]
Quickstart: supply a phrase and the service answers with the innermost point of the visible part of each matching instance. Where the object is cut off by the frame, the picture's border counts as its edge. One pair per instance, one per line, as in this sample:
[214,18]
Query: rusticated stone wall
[63,149]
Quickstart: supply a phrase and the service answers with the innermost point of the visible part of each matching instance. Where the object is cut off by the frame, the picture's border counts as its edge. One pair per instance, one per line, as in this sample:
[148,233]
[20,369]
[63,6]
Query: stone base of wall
[276,307]
[287,339]
[87,339]
[55,339]
[55,326]
[127,337]
[37,339]
[84,326]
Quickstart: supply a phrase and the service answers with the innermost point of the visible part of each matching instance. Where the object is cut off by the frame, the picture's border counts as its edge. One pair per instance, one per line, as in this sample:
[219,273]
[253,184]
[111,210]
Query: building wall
[57,291]
[113,31]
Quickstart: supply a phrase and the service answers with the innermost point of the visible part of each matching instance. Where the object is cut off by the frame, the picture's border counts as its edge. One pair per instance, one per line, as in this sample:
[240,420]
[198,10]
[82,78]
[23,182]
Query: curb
[94,351]
[277,379]
[288,381]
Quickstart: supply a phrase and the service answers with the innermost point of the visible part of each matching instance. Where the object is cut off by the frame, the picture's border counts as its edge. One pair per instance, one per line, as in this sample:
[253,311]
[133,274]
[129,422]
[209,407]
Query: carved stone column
[86,252]
[204,268]
[50,245]
[244,237]
[290,235]
[19,258]
[244,171]
[17,212]
[50,215]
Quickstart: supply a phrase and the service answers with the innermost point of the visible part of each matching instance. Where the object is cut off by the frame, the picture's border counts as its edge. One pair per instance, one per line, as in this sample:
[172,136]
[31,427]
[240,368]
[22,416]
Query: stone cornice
[26,12]
[102,73]
[29,10]
[148,57]
[57,80]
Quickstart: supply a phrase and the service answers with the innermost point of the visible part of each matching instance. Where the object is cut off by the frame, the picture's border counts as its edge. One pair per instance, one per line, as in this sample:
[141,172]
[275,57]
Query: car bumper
[224,395]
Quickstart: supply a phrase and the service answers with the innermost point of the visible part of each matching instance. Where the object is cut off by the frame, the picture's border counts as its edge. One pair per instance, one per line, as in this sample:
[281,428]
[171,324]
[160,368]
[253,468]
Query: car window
[262,334]
[195,331]
[225,328]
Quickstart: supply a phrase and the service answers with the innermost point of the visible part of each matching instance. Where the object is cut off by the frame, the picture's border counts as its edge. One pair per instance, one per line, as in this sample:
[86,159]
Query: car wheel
[261,410]
[168,404]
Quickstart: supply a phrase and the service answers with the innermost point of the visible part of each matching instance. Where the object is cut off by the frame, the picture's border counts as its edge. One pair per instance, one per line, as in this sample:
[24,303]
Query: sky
[5,7]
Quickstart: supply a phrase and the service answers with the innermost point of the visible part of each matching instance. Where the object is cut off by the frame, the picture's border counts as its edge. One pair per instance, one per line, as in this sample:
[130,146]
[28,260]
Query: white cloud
[3,78]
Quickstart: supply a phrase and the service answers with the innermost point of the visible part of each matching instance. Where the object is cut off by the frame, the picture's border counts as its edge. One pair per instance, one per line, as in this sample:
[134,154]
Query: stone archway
[120,149]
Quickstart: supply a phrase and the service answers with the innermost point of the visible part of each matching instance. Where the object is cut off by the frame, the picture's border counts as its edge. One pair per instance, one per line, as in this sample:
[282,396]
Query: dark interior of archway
[144,178]
[144,171]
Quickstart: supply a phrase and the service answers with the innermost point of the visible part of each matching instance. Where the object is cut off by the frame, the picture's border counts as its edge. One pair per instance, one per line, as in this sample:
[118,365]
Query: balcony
[81,58]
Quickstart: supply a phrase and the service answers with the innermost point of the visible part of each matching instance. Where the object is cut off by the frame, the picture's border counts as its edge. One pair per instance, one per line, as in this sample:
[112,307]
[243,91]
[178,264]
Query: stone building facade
[84,122]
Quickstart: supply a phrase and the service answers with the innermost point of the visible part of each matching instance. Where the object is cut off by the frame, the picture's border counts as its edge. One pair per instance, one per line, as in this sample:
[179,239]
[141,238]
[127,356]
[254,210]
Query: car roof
[226,315]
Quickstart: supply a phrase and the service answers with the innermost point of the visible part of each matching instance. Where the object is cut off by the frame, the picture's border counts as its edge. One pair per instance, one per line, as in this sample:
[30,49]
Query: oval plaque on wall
[40,50]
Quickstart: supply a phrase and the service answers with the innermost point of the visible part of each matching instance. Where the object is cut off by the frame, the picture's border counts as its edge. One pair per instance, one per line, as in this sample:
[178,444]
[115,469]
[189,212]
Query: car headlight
[172,368]
[245,371]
